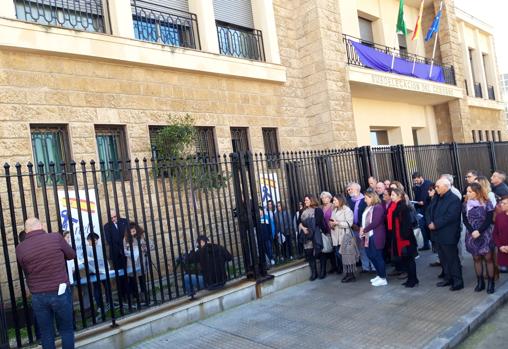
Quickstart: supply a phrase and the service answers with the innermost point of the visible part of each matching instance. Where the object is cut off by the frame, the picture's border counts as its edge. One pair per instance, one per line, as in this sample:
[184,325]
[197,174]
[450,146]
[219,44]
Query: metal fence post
[456,165]
[4,339]
[492,156]
[365,164]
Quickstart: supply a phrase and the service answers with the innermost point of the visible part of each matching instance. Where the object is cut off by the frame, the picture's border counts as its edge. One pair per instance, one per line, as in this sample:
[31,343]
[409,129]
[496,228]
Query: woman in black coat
[404,244]
[310,225]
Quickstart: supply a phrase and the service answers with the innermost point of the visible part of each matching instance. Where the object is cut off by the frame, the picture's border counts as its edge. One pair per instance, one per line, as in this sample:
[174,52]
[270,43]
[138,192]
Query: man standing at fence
[421,191]
[42,257]
[445,225]
[499,186]
[115,230]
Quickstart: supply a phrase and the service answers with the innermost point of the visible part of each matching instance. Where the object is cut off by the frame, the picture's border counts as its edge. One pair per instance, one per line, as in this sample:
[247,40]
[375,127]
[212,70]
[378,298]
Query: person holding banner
[135,249]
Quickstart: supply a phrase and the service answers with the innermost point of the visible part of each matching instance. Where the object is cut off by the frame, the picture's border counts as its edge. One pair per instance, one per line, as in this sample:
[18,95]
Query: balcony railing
[478,90]
[156,23]
[240,42]
[490,91]
[354,59]
[86,15]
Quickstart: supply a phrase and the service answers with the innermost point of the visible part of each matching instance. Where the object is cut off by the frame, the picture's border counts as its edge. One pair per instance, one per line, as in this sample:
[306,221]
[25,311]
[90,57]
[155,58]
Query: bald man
[444,222]
[42,257]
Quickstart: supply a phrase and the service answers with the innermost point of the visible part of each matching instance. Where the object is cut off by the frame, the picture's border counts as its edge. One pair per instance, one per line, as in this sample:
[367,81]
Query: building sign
[418,86]
[269,188]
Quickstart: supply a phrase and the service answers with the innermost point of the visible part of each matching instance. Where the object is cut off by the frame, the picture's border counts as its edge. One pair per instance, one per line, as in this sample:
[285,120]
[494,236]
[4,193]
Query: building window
[499,138]
[402,45]
[50,144]
[378,137]
[473,132]
[112,150]
[152,133]
[240,42]
[205,143]
[271,144]
[239,139]
[86,15]
[487,136]
[366,31]
[493,135]
[480,136]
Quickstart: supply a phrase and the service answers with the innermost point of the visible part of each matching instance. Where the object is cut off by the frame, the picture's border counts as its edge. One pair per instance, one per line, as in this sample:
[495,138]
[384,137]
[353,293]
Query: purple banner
[375,59]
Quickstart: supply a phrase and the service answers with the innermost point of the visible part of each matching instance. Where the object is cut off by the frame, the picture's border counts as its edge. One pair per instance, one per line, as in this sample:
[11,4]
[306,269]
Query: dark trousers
[408,264]
[48,307]
[449,257]
[425,231]
[376,257]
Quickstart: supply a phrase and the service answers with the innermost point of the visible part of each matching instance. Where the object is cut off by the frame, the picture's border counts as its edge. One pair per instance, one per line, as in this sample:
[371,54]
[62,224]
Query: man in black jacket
[421,191]
[444,224]
[499,186]
[115,230]
[212,259]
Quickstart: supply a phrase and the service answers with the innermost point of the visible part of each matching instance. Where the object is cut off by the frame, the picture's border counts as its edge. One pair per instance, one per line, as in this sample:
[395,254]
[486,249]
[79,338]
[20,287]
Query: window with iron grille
[50,144]
[152,131]
[112,150]
[240,139]
[271,144]
[205,143]
[86,15]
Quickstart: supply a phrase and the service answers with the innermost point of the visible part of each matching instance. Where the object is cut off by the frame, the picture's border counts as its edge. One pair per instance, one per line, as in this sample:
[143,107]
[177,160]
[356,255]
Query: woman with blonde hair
[485,183]
[477,213]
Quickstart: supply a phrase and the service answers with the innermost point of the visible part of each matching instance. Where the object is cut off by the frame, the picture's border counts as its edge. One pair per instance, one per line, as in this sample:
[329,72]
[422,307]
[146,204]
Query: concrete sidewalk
[328,314]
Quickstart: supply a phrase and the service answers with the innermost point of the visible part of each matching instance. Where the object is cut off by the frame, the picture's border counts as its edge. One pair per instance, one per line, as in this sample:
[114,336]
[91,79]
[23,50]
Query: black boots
[322,268]
[348,278]
[313,270]
[480,284]
[490,285]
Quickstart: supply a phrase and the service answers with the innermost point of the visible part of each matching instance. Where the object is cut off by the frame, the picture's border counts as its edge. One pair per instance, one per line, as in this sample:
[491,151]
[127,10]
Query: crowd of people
[382,227]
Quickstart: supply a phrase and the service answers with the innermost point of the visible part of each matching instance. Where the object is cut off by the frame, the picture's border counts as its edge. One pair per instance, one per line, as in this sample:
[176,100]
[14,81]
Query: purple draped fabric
[375,59]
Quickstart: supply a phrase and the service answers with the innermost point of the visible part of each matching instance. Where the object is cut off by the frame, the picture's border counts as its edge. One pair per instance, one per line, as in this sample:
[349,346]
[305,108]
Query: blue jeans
[376,257]
[197,282]
[47,306]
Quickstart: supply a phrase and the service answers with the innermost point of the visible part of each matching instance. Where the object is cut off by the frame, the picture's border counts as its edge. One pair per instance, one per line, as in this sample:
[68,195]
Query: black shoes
[490,286]
[435,264]
[350,277]
[457,287]
[441,276]
[410,284]
[313,270]
[480,284]
[443,283]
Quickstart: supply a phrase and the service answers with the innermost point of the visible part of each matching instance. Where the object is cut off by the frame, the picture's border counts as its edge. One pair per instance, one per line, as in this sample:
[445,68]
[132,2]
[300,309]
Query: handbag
[419,237]
[327,243]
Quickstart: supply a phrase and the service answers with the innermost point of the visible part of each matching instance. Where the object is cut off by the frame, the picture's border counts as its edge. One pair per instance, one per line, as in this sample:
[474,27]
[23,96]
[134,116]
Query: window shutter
[238,12]
[163,5]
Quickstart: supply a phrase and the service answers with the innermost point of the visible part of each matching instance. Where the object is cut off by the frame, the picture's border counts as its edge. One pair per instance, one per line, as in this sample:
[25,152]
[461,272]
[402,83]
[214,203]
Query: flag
[401,25]
[418,25]
[435,24]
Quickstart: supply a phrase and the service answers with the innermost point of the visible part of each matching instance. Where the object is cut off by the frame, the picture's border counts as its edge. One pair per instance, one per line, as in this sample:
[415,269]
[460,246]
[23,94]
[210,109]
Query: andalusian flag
[418,25]
[435,24]
[401,25]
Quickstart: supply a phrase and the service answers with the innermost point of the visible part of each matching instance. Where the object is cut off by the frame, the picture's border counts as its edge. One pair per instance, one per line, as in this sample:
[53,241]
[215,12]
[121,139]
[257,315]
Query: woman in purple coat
[477,215]
[373,234]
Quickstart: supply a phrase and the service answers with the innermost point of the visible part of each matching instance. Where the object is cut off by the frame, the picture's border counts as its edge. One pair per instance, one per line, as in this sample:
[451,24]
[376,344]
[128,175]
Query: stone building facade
[303,93]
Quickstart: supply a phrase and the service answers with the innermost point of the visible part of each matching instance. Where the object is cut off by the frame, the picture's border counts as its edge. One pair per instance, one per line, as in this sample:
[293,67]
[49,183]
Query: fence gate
[247,213]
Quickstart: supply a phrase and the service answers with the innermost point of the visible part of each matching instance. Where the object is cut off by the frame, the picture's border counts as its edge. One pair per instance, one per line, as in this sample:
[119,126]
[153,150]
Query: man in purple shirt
[42,257]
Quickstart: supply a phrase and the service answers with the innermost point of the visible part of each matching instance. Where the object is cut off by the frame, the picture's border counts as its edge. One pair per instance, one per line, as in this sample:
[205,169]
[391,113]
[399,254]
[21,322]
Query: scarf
[357,200]
[389,215]
[470,204]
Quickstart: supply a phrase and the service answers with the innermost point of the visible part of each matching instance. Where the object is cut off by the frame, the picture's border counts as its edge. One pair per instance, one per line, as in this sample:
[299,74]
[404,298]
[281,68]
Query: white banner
[269,188]
[88,224]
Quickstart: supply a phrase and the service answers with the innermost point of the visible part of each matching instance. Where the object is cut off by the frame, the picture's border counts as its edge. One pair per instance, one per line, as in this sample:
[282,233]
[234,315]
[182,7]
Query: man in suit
[445,225]
[115,230]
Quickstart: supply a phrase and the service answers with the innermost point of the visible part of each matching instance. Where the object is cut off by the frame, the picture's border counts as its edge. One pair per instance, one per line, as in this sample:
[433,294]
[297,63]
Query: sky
[494,13]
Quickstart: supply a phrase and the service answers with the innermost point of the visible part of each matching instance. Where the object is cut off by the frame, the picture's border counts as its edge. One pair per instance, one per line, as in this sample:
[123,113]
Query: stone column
[120,14]
[327,94]
[480,65]
[451,50]
[7,9]
[264,20]
[206,24]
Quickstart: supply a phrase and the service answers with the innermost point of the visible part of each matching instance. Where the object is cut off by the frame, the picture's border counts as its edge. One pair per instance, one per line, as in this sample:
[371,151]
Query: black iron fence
[354,59]
[86,15]
[240,42]
[227,198]
[158,23]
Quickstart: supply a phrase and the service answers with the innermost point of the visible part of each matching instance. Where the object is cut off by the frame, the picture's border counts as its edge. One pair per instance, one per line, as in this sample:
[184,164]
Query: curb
[469,322]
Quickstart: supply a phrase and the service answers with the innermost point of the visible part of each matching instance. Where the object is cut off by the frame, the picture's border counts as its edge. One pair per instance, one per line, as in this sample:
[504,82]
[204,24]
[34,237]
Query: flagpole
[414,58]
[433,54]
[395,48]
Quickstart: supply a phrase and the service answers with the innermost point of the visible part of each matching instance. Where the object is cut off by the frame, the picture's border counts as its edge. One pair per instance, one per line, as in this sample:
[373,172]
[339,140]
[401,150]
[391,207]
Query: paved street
[328,314]
[492,334]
